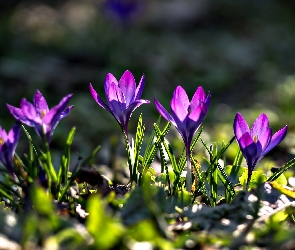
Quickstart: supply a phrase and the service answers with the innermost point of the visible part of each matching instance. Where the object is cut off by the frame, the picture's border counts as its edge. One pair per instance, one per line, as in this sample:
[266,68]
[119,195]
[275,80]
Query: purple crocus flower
[123,97]
[256,142]
[8,142]
[186,116]
[39,116]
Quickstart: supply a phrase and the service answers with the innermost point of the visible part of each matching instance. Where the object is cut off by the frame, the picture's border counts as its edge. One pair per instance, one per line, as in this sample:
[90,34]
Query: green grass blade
[138,143]
[213,178]
[182,160]
[283,169]
[220,152]
[236,164]
[167,148]
[7,196]
[32,170]
[127,146]
[89,158]
[226,181]
[165,166]
[9,188]
[147,161]
[213,164]
[150,144]
[69,182]
[65,159]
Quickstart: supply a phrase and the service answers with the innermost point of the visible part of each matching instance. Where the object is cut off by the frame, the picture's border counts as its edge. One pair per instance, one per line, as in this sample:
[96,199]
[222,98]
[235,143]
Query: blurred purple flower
[124,10]
[186,116]
[8,144]
[123,97]
[256,142]
[39,116]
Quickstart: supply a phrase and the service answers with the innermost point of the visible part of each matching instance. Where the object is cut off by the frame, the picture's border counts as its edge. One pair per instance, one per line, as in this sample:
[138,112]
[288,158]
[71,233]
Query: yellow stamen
[1,141]
[42,113]
[255,138]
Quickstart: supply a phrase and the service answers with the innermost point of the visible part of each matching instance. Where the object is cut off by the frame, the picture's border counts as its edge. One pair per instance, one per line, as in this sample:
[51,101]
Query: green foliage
[283,169]
[152,146]
[57,207]
[105,229]
[41,201]
[213,175]
[257,178]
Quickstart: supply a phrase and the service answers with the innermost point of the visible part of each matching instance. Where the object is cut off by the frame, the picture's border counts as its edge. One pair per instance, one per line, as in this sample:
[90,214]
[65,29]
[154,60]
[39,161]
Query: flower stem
[248,179]
[189,171]
[50,168]
[129,155]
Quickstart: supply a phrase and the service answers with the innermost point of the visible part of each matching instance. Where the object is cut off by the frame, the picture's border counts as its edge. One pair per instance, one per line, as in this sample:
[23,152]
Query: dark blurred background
[243,52]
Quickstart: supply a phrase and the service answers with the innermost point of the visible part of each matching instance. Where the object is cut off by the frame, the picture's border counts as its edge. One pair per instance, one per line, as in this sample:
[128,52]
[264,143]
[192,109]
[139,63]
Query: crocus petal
[13,137]
[180,94]
[56,121]
[3,134]
[240,126]
[264,140]
[198,114]
[110,79]
[29,111]
[191,126]
[66,111]
[98,100]
[198,97]
[17,113]
[275,140]
[134,106]
[194,120]
[3,137]
[163,112]
[178,109]
[40,103]
[8,146]
[127,85]
[207,101]
[52,118]
[139,88]
[13,134]
[249,149]
[259,126]
[124,120]
[116,100]
[53,115]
